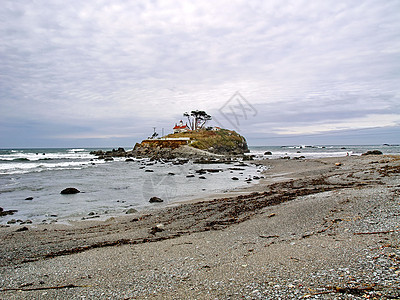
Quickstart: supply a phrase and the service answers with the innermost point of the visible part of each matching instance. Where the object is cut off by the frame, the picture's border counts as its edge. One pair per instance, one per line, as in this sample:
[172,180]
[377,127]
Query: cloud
[97,63]
[369,121]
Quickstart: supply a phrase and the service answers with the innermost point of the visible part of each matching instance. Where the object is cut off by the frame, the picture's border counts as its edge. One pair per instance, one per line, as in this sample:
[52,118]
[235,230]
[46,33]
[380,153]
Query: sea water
[320,151]
[107,188]
[113,187]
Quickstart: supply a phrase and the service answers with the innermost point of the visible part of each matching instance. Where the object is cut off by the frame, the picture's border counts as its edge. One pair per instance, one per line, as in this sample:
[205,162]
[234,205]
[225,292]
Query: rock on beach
[373,152]
[155,200]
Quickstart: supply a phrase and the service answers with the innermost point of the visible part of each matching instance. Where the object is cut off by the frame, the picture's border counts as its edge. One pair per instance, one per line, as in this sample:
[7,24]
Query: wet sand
[323,228]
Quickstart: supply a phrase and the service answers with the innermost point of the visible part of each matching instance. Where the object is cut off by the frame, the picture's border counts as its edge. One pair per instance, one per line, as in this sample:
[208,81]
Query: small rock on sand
[155,200]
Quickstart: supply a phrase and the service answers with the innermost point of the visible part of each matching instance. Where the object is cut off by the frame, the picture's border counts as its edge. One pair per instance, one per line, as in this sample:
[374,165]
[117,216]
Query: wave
[21,168]
[76,150]
[35,156]
[21,159]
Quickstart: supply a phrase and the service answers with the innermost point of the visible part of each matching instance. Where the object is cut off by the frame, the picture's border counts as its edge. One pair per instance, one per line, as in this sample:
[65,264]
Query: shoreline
[317,202]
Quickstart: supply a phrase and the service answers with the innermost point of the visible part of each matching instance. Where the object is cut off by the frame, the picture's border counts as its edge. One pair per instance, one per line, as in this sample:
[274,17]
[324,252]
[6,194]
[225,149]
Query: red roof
[180,127]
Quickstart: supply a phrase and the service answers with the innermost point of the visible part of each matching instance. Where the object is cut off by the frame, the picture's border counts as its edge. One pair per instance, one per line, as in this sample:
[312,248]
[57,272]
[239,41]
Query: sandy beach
[311,229]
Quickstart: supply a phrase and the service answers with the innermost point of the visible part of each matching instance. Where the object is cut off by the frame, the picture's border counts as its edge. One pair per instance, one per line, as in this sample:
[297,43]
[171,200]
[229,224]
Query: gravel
[342,243]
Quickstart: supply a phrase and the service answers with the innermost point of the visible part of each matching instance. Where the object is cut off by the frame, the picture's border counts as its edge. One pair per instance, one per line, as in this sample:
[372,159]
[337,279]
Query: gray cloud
[97,65]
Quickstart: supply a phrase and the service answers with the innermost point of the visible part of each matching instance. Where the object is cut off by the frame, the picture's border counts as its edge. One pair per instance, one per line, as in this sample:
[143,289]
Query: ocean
[31,180]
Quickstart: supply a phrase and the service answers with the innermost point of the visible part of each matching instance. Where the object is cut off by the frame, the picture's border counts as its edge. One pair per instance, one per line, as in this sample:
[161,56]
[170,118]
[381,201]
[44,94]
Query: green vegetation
[219,141]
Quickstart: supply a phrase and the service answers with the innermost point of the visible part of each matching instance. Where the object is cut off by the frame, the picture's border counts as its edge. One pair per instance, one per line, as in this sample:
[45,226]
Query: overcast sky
[104,73]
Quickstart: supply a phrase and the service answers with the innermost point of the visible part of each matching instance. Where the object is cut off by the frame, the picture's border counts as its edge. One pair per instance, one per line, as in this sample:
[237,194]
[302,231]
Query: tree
[197,119]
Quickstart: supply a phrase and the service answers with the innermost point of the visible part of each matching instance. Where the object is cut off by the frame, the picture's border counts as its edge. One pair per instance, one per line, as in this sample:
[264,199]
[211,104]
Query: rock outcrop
[193,144]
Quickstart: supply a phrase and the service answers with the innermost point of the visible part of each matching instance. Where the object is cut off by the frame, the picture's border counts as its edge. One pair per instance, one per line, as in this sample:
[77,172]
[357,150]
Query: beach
[325,228]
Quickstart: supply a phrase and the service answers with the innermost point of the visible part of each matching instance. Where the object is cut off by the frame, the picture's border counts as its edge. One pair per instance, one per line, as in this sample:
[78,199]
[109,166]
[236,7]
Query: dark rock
[92,213]
[202,177]
[190,176]
[213,170]
[97,153]
[12,221]
[235,178]
[131,211]
[373,152]
[29,198]
[22,229]
[157,228]
[68,191]
[180,162]
[6,212]
[268,153]
[201,171]
[172,174]
[249,157]
[129,159]
[149,171]
[155,200]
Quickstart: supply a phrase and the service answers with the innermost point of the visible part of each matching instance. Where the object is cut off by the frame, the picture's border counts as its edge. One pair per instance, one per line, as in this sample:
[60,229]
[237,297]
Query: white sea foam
[37,160]
[20,168]
[45,156]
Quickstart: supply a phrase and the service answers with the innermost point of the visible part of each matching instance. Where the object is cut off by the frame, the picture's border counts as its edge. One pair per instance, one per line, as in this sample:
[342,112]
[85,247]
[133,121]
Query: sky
[104,73]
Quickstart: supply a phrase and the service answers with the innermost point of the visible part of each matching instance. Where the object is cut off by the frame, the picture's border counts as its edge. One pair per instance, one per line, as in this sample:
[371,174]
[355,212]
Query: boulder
[70,190]
[155,200]
[131,211]
[22,229]
[6,212]
[373,152]
[97,153]
[235,178]
[268,153]
[29,198]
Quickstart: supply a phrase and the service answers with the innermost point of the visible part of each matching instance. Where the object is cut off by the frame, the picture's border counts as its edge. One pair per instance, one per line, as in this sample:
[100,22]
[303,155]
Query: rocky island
[193,144]
[191,140]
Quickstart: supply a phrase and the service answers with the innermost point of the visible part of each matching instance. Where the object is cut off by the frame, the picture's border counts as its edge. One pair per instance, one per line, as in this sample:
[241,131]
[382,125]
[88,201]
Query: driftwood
[375,232]
[58,287]
[343,290]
